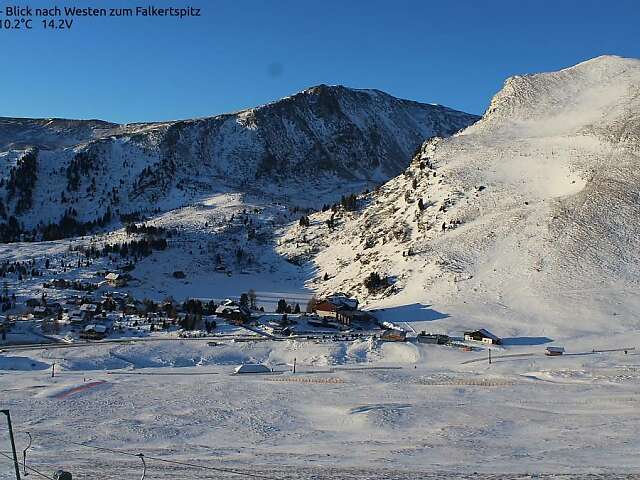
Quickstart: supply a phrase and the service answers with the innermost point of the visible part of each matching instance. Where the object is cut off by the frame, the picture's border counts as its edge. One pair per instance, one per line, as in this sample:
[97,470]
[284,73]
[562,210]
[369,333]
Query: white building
[482,335]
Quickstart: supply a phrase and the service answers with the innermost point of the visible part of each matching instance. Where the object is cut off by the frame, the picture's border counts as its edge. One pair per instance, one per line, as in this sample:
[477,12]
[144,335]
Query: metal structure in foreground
[144,465]
[13,444]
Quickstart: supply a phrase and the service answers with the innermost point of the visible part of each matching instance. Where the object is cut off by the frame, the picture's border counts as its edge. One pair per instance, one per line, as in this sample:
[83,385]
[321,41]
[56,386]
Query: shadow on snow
[525,341]
[415,312]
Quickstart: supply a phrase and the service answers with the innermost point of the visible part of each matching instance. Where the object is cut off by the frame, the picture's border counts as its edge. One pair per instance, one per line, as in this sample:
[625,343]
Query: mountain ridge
[95,170]
[307,90]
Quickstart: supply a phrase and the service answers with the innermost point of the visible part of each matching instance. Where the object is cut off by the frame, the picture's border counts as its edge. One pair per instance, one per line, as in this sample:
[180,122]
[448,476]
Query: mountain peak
[603,60]
[324,88]
[572,98]
[325,135]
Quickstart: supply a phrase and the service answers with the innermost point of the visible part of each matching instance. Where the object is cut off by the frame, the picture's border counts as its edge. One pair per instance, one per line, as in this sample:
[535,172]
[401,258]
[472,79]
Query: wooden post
[489,356]
[294,365]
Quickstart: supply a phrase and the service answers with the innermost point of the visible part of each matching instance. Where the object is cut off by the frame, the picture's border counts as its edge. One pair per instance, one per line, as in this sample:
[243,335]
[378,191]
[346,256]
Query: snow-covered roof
[252,368]
[488,334]
[342,300]
[227,308]
[485,333]
[112,276]
[95,328]
[556,349]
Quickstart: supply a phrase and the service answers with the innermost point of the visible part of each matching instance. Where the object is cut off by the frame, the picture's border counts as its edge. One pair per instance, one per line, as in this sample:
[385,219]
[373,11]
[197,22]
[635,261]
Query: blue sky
[243,53]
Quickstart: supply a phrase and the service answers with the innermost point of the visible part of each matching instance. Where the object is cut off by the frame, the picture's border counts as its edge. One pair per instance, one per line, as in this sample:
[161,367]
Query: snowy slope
[321,136]
[427,415]
[18,133]
[530,216]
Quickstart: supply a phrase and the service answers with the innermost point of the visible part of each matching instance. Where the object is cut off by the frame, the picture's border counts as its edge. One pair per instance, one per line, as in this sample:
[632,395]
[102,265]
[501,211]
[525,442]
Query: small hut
[252,368]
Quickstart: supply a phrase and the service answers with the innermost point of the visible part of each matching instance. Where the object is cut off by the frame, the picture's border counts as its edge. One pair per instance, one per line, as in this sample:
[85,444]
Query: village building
[393,335]
[326,309]
[554,351]
[73,300]
[482,335]
[342,301]
[94,332]
[40,311]
[343,308]
[230,310]
[75,317]
[355,317]
[226,303]
[89,310]
[432,338]
[60,283]
[116,279]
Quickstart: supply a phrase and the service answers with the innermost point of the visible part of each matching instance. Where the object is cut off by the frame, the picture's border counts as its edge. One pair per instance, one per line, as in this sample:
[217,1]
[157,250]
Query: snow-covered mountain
[527,221]
[50,133]
[315,141]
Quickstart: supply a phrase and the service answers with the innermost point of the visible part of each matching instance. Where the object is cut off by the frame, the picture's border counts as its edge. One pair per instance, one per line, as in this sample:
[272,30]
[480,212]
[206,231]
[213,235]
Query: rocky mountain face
[89,172]
[21,133]
[531,215]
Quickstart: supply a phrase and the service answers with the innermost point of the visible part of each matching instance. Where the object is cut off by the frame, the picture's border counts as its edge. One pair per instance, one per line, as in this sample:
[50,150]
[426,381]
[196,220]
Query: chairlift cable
[29,468]
[175,462]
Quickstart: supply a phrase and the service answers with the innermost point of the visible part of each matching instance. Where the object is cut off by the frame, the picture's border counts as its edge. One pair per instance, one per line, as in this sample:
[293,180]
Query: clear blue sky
[243,53]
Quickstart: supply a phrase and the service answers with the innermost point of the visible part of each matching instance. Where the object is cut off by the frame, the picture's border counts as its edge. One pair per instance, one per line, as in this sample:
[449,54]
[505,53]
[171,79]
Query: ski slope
[353,410]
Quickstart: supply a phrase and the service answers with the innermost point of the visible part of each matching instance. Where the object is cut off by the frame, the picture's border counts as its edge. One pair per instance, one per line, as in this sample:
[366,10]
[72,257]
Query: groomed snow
[358,408]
